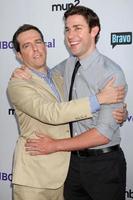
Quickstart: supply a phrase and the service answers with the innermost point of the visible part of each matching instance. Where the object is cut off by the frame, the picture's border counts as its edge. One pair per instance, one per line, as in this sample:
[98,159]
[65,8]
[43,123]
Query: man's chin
[75,53]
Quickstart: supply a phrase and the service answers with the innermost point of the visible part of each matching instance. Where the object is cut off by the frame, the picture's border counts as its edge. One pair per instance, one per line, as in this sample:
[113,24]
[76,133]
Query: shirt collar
[42,74]
[90,59]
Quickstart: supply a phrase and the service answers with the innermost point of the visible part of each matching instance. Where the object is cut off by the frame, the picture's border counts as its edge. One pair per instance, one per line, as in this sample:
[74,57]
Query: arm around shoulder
[25,97]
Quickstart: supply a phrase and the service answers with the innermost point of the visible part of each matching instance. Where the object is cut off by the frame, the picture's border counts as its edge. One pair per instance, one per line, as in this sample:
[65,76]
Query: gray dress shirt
[95,71]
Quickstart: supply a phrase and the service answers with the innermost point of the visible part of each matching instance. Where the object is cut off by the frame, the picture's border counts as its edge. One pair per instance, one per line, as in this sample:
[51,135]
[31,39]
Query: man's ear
[19,57]
[94,31]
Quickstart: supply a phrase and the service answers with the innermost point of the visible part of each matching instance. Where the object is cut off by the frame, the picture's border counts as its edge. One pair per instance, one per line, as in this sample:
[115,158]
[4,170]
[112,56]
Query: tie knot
[77,65]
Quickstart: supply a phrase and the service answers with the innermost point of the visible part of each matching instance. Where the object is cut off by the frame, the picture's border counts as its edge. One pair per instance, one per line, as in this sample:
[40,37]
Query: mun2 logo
[60,7]
[121,38]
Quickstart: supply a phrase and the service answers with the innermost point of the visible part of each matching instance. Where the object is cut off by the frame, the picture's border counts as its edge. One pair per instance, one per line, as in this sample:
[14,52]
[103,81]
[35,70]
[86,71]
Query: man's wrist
[101,99]
[57,145]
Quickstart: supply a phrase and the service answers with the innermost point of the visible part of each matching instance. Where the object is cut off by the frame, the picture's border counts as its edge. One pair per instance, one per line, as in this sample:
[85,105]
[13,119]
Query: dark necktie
[77,65]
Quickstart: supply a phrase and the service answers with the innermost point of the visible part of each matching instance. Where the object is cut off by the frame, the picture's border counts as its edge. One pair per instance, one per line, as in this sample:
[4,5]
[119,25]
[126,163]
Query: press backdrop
[115,42]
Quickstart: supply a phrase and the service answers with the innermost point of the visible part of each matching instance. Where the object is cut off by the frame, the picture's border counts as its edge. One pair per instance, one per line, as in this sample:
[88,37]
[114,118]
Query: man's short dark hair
[90,16]
[21,29]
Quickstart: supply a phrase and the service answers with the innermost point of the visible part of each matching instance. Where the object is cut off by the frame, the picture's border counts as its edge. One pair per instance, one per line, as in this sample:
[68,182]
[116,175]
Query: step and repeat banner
[115,42]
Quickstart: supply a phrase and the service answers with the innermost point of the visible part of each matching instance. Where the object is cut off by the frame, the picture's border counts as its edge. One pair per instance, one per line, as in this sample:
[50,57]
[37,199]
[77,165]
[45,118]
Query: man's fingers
[121,89]
[125,106]
[120,93]
[118,117]
[30,144]
[120,114]
[37,153]
[21,73]
[33,151]
[111,82]
[26,69]
[40,135]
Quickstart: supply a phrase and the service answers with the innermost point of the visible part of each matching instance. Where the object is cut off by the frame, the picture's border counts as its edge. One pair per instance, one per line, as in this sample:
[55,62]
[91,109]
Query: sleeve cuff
[95,106]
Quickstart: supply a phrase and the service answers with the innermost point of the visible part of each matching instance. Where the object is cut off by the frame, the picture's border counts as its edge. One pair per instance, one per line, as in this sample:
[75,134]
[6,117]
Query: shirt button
[78,73]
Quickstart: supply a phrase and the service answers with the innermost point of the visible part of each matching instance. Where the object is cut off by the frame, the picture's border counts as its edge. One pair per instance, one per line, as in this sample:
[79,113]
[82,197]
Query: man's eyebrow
[75,25]
[39,39]
[25,44]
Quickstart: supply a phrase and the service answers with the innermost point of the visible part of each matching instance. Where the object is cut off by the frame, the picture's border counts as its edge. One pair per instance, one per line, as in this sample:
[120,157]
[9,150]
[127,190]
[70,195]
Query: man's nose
[70,34]
[34,47]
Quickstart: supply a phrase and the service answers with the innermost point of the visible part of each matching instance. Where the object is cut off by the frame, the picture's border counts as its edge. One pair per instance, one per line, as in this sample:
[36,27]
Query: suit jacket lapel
[57,79]
[59,83]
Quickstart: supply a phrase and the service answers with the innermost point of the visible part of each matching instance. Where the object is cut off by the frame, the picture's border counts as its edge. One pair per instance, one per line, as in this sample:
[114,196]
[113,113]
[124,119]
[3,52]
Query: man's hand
[43,145]
[121,114]
[21,73]
[111,93]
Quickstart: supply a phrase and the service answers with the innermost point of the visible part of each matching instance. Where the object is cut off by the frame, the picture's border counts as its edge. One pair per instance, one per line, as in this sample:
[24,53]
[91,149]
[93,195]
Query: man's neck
[43,69]
[88,53]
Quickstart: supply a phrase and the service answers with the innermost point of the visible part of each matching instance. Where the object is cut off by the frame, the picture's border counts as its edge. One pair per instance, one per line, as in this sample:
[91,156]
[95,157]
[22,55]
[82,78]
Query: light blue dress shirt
[48,78]
[95,71]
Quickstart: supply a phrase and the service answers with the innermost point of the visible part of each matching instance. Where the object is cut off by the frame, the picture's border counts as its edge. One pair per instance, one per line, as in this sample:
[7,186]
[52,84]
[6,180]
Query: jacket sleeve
[28,100]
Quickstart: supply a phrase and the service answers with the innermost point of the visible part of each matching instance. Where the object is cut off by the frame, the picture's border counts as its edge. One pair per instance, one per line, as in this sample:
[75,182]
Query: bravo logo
[121,38]
[60,7]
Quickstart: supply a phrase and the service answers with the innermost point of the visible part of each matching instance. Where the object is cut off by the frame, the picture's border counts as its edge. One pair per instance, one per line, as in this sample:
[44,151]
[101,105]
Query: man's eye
[66,30]
[39,42]
[26,46]
[78,28]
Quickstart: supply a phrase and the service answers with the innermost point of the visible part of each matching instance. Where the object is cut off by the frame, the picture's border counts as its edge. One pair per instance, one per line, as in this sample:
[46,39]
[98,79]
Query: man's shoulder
[60,68]
[110,62]
[17,83]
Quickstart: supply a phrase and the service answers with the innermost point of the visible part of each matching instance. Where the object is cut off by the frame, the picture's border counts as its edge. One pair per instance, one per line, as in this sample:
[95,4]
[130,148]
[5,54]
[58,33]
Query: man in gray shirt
[98,171]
